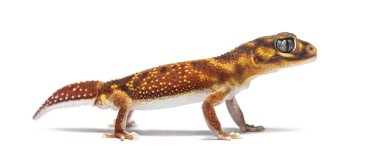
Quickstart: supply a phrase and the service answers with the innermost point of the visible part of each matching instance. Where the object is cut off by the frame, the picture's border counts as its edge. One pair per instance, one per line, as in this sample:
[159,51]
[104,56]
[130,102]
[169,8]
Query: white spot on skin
[74,89]
[78,96]
[85,90]
[62,94]
[56,97]
[72,96]
[84,95]
[80,89]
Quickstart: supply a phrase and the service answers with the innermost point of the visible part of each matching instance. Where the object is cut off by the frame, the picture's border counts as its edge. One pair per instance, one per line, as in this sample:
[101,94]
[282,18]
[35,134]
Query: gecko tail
[83,93]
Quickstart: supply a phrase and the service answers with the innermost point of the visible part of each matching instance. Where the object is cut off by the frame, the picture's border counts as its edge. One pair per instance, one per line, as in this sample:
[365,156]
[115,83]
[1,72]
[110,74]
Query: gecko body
[211,81]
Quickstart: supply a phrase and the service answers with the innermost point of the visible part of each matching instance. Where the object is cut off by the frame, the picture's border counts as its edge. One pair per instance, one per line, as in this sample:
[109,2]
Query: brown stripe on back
[214,71]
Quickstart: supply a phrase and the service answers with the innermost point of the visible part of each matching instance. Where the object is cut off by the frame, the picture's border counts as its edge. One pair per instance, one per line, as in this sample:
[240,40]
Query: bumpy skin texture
[219,78]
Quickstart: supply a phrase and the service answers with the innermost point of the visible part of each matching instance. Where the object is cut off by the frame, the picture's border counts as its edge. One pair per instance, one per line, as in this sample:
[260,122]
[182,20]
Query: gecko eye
[286,45]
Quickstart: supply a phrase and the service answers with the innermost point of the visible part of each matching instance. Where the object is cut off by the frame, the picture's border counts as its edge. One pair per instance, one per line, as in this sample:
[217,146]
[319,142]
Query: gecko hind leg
[238,117]
[121,100]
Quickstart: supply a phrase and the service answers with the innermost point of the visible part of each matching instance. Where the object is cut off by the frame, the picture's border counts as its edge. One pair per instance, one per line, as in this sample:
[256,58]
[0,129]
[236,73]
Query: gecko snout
[311,50]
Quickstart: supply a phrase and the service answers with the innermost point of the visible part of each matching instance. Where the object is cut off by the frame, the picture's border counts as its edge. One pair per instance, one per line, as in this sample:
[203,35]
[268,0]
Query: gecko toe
[229,137]
[122,136]
[252,128]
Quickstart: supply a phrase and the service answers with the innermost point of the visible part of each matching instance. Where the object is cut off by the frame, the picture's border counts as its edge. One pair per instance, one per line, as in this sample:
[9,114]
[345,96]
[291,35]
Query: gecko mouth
[306,57]
[303,60]
[308,54]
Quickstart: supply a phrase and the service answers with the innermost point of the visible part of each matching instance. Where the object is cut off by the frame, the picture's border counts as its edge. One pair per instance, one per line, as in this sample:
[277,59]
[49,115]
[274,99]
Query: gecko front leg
[123,102]
[130,122]
[238,117]
[210,116]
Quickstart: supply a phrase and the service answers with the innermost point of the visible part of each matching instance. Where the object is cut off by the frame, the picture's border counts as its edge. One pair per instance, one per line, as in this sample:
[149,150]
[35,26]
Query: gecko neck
[239,63]
[245,63]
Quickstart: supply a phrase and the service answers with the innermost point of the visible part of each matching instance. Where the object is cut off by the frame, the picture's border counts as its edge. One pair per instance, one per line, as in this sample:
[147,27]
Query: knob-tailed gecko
[211,81]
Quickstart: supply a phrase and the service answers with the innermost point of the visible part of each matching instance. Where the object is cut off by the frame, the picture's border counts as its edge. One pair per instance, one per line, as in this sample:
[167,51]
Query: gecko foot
[122,135]
[252,128]
[228,137]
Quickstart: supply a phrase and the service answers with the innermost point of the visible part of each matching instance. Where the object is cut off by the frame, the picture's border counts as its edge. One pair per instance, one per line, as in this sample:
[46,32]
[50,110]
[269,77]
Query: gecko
[211,81]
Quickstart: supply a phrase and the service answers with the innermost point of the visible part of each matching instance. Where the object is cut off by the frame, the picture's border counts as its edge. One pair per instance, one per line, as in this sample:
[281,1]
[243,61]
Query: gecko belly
[170,101]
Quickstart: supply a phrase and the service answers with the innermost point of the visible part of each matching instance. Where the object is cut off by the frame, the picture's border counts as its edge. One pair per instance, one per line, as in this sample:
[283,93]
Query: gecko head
[283,50]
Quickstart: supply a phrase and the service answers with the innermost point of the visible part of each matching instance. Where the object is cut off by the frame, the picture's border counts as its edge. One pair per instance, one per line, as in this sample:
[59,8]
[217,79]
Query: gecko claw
[135,136]
[229,137]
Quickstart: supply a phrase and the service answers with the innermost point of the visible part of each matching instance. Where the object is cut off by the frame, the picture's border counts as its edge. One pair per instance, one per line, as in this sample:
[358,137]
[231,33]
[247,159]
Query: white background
[326,110]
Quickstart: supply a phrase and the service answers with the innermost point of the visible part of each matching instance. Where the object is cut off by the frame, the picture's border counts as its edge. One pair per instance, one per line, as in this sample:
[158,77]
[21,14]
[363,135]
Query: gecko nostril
[311,49]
